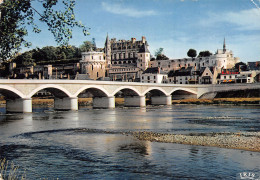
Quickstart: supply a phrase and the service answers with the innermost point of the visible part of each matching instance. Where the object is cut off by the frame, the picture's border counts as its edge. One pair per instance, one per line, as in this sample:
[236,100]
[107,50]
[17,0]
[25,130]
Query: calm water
[88,144]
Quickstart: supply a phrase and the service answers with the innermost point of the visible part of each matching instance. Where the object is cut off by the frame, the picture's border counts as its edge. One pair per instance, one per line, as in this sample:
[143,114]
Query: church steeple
[108,50]
[224,46]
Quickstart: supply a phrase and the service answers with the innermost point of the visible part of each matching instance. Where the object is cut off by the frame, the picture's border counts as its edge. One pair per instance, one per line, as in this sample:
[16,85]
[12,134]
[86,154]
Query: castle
[130,61]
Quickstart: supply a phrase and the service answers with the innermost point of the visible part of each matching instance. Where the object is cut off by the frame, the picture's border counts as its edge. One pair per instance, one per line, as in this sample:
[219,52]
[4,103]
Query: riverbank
[219,101]
[120,101]
[249,141]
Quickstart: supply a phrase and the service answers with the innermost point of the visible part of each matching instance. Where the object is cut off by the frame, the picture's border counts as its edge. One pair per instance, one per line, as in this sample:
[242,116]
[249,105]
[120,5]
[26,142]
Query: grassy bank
[235,101]
[120,101]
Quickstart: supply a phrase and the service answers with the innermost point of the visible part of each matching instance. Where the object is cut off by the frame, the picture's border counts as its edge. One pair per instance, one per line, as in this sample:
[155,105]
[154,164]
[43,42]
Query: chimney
[143,39]
[133,40]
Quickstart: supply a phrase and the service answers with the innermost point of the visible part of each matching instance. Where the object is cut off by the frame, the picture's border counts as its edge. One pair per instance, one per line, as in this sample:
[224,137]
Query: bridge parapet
[66,92]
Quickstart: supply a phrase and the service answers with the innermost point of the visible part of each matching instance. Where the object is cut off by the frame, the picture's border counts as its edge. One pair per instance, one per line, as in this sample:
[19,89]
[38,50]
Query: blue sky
[175,25]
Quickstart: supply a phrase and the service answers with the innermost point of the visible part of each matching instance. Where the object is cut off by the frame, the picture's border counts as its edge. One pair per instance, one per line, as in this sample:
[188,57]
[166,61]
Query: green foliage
[158,51]
[86,46]
[17,14]
[160,55]
[48,54]
[192,53]
[204,54]
[25,59]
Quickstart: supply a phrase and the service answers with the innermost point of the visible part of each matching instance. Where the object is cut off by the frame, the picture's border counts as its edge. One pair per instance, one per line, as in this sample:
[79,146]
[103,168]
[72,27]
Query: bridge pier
[161,100]
[135,101]
[104,102]
[21,105]
[67,103]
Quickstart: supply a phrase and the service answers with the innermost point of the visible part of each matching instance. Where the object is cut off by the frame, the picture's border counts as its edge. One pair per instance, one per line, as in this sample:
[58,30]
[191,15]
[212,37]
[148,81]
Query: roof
[144,49]
[181,72]
[152,70]
[254,65]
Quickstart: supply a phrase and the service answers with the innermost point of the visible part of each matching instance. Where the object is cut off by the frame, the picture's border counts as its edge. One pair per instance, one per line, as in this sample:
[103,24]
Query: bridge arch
[101,92]
[183,89]
[125,89]
[10,92]
[183,93]
[156,89]
[56,90]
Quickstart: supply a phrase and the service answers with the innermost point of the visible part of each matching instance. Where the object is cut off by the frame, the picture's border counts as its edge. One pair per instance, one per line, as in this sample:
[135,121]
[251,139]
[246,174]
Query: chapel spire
[224,46]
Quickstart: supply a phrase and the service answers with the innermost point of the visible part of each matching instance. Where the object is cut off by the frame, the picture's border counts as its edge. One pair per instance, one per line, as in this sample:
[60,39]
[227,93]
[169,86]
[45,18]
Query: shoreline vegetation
[120,101]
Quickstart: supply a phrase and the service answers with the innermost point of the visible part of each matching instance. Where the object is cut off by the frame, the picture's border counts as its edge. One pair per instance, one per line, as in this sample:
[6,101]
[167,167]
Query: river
[90,143]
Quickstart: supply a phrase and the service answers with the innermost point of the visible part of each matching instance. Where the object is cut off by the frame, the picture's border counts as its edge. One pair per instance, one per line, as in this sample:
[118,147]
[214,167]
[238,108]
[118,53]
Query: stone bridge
[19,93]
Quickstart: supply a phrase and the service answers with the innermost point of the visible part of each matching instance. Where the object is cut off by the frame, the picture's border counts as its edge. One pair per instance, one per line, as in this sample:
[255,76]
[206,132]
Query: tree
[17,14]
[204,54]
[192,53]
[86,46]
[160,55]
[25,59]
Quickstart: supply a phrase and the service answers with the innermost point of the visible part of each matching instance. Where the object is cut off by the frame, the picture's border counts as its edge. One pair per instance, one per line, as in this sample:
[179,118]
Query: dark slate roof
[171,73]
[253,65]
[181,72]
[153,70]
[144,49]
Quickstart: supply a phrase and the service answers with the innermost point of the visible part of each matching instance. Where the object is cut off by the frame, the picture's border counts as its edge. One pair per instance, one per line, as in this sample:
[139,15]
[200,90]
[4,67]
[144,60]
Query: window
[92,67]
[148,77]
[92,57]
[97,74]
[99,57]
[154,81]
[224,77]
[230,77]
[154,77]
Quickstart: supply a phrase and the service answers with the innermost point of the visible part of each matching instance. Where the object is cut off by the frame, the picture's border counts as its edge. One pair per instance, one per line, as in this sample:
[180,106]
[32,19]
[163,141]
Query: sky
[175,25]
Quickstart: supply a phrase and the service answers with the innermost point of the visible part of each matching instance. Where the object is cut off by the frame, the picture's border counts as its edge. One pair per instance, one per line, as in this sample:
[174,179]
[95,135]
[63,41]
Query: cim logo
[247,175]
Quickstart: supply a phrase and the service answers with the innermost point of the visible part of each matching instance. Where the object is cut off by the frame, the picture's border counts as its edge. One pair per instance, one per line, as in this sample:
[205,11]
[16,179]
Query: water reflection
[90,143]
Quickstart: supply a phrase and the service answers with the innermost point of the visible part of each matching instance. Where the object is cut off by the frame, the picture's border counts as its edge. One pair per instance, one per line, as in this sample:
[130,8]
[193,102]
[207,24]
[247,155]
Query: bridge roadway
[19,93]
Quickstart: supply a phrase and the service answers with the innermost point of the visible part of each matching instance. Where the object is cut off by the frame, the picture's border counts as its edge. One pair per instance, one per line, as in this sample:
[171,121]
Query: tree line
[50,54]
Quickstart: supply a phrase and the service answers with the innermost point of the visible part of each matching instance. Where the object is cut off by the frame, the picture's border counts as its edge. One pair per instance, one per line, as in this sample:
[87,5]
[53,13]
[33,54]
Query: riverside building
[126,59]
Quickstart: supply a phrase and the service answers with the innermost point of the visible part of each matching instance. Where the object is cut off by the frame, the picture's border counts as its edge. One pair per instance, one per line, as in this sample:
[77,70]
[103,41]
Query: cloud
[243,20]
[127,11]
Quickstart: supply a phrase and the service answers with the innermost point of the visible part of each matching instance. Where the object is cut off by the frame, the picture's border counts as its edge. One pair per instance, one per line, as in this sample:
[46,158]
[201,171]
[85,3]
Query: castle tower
[143,57]
[224,46]
[108,51]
